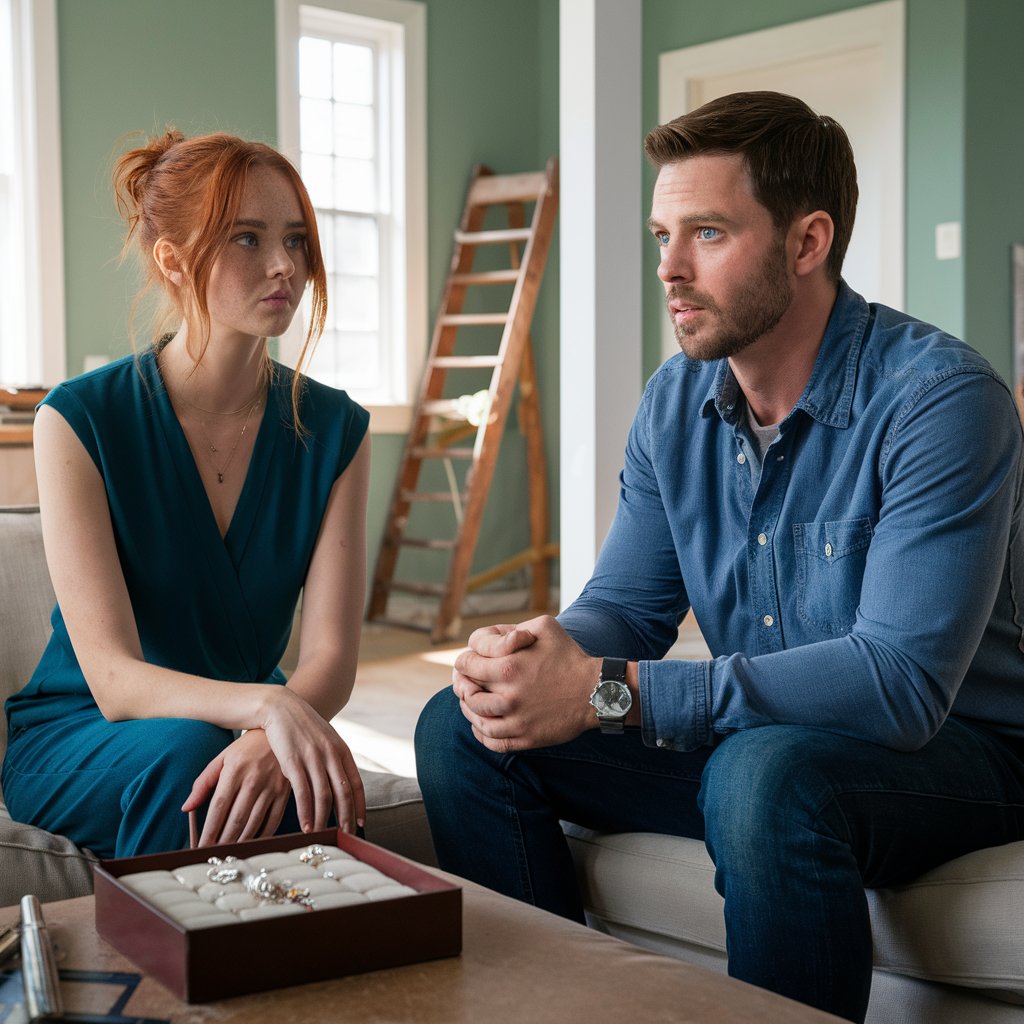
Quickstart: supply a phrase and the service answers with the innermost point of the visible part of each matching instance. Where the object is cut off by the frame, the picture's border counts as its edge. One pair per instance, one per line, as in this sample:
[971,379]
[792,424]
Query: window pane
[325,229]
[353,131]
[358,360]
[349,359]
[318,174]
[357,250]
[354,182]
[316,126]
[315,67]
[357,303]
[353,73]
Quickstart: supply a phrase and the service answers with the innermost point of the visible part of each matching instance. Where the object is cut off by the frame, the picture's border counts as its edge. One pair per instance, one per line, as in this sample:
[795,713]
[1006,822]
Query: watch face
[612,698]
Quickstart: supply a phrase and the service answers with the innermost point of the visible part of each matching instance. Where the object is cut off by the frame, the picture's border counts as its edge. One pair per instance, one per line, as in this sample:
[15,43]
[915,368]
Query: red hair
[188,191]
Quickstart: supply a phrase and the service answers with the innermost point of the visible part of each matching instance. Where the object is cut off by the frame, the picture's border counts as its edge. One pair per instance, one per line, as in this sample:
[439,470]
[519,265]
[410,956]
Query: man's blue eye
[706,234]
[662,237]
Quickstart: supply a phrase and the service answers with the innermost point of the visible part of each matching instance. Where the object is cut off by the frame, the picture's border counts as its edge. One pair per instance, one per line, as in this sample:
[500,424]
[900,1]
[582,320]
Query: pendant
[220,478]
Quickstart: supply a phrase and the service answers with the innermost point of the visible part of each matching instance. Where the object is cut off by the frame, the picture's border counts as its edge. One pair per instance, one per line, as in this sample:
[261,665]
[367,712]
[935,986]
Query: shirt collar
[836,362]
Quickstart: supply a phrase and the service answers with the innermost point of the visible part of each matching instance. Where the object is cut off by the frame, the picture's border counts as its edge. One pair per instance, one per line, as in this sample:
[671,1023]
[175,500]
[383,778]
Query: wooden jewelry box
[215,961]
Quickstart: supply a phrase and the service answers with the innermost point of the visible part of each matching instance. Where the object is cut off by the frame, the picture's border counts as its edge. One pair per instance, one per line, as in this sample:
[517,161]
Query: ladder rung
[492,237]
[489,189]
[427,543]
[432,496]
[427,589]
[466,362]
[473,319]
[487,277]
[442,453]
[442,407]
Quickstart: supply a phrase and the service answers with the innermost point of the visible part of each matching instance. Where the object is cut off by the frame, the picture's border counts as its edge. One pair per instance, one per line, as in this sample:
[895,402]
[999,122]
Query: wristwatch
[611,697]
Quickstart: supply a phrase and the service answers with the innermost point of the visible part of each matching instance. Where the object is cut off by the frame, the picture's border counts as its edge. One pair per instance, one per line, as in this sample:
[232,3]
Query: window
[352,117]
[31,248]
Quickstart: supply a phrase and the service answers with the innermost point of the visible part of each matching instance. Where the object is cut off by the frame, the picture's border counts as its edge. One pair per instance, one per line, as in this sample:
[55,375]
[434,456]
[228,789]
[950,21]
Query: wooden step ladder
[442,420]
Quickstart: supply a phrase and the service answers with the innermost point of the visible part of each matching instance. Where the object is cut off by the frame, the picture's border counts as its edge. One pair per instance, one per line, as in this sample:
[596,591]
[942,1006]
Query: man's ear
[167,260]
[811,236]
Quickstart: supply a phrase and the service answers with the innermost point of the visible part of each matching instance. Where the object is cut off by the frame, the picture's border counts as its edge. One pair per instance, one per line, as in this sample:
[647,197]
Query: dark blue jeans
[798,822]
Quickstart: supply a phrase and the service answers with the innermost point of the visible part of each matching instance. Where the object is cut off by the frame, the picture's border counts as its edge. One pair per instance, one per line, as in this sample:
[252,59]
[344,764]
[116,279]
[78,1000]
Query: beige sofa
[52,867]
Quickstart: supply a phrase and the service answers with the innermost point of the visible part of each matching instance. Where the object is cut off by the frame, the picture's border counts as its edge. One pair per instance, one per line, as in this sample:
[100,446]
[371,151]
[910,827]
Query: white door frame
[878,26]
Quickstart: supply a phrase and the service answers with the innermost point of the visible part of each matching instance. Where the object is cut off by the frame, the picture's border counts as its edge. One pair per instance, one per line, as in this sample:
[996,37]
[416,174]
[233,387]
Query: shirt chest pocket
[830,560]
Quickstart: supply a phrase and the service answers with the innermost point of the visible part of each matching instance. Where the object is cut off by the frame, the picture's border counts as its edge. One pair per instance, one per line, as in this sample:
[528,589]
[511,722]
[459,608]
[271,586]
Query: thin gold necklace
[221,470]
[234,412]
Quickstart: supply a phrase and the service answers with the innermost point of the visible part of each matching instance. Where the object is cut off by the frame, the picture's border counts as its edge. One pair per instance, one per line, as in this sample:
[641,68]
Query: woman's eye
[247,239]
[707,234]
[296,242]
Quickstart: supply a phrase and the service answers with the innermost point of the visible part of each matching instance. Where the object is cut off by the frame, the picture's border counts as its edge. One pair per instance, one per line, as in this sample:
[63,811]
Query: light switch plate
[947,240]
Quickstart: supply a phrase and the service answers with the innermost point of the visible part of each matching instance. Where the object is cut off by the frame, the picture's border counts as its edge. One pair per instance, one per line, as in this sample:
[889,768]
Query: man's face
[723,262]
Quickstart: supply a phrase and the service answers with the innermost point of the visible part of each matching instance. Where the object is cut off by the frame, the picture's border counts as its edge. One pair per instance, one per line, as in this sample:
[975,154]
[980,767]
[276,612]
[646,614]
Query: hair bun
[132,172]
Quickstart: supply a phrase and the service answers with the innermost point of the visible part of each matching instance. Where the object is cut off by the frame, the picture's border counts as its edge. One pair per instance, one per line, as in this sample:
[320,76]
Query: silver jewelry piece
[222,871]
[314,856]
[269,891]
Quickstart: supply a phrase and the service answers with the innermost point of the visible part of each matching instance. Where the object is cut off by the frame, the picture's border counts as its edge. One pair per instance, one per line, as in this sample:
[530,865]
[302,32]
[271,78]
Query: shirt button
[779,458]
[828,550]
[762,539]
[660,743]
[741,458]
[768,620]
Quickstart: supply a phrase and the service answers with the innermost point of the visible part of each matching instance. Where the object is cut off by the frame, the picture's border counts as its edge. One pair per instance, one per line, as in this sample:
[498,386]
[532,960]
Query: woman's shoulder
[95,388]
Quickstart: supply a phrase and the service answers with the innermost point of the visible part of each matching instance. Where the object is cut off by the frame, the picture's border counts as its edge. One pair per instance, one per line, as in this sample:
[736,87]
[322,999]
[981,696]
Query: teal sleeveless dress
[215,607]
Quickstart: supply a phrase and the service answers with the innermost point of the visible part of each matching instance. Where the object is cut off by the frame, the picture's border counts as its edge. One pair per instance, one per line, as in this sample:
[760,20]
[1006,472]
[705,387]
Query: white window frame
[37,192]
[406,319]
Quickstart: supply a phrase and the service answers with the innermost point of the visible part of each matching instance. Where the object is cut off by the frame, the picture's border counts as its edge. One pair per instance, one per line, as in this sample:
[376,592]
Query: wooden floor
[400,670]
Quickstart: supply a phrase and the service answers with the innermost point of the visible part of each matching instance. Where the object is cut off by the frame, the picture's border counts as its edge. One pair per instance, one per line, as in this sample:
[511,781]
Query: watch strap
[613,670]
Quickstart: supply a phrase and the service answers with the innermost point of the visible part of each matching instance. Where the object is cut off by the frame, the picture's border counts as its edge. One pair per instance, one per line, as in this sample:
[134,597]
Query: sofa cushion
[39,862]
[959,923]
[26,602]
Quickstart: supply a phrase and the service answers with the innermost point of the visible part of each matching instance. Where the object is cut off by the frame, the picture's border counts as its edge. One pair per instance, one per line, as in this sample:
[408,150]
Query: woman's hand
[250,792]
[315,760]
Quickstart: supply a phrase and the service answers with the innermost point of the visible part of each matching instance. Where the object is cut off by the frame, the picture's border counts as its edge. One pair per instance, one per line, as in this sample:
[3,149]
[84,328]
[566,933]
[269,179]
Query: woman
[187,495]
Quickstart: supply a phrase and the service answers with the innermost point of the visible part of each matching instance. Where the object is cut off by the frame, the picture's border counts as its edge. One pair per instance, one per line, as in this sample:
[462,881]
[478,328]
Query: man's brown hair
[798,161]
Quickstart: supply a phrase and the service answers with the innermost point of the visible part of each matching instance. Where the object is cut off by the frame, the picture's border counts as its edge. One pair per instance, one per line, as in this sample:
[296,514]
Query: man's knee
[761,781]
[437,738]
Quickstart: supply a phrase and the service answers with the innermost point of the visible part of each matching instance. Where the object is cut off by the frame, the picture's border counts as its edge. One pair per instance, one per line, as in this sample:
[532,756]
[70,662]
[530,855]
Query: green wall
[993,172]
[139,65]
[935,71]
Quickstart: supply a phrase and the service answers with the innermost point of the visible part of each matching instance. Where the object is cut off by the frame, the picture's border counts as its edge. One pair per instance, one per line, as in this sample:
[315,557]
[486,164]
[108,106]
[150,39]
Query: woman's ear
[167,260]
[812,237]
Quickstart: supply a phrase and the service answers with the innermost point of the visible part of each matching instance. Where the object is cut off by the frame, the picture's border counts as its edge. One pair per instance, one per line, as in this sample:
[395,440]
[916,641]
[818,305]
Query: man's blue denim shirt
[866,579]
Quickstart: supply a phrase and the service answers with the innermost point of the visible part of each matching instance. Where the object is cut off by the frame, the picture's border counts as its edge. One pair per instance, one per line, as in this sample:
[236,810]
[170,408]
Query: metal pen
[38,964]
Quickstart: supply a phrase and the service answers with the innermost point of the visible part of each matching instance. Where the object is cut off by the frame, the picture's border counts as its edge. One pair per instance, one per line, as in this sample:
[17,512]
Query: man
[835,489]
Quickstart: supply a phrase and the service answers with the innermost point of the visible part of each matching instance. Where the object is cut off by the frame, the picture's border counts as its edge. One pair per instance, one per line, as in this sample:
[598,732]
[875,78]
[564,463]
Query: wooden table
[518,964]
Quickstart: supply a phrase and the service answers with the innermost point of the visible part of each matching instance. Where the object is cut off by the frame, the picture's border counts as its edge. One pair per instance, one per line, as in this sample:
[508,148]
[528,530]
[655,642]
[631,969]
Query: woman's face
[258,279]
